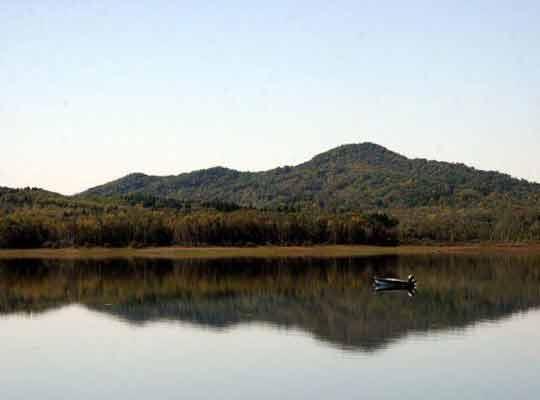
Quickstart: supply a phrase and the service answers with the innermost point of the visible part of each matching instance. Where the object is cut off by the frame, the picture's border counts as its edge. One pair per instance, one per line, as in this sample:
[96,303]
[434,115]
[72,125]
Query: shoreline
[322,251]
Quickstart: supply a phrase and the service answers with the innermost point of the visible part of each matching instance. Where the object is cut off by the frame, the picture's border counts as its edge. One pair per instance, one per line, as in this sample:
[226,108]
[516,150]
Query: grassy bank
[268,251]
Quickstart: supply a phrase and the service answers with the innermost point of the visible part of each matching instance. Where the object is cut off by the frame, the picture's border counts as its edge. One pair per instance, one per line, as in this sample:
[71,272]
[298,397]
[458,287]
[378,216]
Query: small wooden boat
[392,283]
[395,285]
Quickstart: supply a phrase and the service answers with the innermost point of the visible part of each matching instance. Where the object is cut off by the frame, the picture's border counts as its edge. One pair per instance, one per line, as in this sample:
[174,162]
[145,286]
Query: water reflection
[411,292]
[333,300]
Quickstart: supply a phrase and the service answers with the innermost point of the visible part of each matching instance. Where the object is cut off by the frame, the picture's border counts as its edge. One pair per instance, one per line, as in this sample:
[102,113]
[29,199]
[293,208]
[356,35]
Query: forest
[354,194]
[357,177]
[34,218]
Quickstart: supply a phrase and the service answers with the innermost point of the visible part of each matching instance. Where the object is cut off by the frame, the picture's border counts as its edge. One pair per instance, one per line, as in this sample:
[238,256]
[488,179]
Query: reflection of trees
[331,299]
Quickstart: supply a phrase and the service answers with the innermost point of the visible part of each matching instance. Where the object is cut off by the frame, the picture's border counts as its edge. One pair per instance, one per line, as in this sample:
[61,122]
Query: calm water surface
[266,329]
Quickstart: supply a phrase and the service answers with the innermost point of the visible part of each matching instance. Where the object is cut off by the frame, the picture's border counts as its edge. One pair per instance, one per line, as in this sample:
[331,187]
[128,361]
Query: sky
[91,91]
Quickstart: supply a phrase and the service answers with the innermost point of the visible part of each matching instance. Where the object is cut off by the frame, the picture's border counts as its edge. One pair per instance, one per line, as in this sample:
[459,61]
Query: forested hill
[350,177]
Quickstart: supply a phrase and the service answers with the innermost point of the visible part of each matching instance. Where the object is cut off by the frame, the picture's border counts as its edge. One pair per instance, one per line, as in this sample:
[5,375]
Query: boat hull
[392,283]
[384,282]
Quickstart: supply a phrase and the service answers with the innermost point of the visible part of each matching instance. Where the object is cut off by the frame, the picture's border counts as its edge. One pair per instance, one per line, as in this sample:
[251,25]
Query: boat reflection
[411,292]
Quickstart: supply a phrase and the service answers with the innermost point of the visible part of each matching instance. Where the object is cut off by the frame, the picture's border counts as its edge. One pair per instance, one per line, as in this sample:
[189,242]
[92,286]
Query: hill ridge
[351,176]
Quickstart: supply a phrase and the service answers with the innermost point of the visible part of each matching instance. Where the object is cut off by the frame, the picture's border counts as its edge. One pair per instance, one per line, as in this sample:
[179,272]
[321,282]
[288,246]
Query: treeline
[135,226]
[118,226]
[36,218]
[497,223]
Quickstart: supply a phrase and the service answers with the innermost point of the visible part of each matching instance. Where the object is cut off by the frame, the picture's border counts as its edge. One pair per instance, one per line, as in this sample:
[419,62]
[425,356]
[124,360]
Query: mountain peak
[366,152]
[358,147]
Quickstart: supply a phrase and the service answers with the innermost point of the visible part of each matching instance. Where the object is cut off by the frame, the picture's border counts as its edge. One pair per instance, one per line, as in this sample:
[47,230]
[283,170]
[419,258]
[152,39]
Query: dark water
[265,329]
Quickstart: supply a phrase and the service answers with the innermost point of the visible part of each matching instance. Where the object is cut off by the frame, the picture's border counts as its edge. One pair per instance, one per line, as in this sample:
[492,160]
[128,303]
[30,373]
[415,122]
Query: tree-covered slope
[37,218]
[355,176]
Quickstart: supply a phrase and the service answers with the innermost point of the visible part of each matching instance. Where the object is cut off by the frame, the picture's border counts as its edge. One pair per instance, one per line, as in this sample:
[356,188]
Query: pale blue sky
[90,90]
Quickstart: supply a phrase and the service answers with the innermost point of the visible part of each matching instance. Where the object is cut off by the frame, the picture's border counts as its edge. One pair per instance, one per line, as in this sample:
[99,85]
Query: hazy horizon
[92,92]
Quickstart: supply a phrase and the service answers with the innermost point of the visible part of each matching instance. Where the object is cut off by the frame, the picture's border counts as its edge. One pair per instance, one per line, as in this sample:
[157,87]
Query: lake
[270,328]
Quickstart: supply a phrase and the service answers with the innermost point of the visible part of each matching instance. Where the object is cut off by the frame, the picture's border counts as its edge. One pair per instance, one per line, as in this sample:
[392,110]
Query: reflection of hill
[330,299]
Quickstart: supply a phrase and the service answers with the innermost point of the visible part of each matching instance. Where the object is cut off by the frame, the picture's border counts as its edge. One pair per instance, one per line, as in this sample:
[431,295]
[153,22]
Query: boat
[395,284]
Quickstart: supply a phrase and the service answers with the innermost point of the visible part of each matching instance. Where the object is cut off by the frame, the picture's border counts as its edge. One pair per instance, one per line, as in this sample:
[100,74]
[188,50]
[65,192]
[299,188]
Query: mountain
[349,177]
[354,194]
